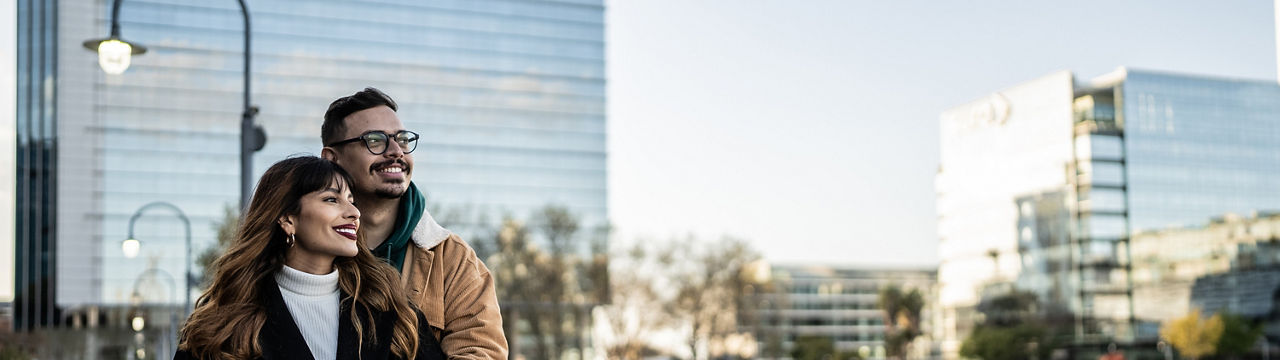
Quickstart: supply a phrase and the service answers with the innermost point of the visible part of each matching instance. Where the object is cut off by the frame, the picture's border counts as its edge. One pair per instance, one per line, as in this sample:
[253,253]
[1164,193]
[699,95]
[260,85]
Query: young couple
[337,258]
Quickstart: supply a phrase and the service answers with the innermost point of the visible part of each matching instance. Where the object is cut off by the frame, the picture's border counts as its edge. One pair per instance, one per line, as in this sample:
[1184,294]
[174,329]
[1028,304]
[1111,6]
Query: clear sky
[810,127]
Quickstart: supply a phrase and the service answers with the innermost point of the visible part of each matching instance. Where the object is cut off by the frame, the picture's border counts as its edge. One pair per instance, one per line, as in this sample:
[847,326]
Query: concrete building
[1229,264]
[839,303]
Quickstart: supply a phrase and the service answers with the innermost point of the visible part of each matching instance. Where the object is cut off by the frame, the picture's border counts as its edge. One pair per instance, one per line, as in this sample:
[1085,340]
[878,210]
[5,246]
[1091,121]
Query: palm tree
[902,318]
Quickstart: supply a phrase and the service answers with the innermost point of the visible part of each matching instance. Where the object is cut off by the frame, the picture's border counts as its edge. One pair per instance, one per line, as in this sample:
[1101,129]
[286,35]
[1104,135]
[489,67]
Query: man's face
[386,175]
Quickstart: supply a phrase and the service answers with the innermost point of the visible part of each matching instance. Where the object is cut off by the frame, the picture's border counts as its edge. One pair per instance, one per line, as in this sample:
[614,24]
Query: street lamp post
[137,322]
[132,245]
[114,57]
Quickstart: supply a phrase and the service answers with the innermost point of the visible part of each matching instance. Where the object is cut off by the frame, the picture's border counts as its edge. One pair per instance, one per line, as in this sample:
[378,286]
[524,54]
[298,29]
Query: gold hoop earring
[290,240]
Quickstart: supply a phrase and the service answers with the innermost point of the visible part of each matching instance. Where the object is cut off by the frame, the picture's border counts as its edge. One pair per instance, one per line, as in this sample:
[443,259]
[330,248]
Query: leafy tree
[810,347]
[1193,335]
[226,230]
[14,353]
[1023,341]
[1009,310]
[1238,335]
[1010,329]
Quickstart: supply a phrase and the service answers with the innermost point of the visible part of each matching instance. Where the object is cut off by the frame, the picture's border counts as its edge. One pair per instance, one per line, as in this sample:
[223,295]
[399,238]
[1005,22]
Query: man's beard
[386,193]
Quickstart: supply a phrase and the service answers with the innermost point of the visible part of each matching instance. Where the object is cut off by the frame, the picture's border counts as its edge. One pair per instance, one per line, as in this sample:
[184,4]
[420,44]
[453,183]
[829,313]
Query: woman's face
[325,228]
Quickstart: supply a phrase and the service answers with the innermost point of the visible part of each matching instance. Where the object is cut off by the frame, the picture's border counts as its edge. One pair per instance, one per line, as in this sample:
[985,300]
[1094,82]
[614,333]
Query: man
[442,274]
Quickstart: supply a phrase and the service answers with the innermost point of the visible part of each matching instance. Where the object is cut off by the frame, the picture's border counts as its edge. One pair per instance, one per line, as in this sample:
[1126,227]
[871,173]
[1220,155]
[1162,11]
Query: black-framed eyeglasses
[376,141]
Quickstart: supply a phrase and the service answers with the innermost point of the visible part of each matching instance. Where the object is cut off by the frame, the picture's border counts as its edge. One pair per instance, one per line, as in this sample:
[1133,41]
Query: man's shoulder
[428,234]
[451,249]
[451,243]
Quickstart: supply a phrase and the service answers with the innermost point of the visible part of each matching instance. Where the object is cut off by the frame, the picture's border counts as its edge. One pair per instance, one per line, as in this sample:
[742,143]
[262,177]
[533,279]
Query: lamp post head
[130,247]
[138,323]
[114,54]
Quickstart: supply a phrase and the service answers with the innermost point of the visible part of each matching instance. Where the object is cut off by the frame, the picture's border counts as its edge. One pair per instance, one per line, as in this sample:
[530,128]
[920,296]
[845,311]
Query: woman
[296,284]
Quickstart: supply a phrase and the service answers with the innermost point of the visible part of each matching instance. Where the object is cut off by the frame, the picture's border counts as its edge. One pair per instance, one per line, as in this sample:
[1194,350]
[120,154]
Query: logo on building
[994,111]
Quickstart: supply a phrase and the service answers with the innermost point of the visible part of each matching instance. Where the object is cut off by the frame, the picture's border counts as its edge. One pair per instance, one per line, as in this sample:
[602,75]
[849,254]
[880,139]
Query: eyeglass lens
[377,141]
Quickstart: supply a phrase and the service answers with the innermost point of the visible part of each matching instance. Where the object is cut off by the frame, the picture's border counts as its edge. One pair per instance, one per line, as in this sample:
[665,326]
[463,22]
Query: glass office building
[509,97]
[1042,185]
[36,171]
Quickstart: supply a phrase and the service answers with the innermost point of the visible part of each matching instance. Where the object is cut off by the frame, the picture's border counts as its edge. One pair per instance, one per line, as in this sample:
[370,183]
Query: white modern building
[1043,185]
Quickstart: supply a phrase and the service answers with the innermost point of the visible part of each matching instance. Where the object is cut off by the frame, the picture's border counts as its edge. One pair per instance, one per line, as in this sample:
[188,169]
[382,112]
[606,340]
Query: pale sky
[810,127]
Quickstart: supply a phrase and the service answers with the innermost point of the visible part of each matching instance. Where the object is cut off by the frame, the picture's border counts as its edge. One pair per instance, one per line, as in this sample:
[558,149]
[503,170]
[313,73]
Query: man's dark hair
[368,98]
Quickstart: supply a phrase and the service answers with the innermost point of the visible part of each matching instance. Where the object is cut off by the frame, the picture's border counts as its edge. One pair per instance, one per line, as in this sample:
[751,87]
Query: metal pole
[186,276]
[186,302]
[247,131]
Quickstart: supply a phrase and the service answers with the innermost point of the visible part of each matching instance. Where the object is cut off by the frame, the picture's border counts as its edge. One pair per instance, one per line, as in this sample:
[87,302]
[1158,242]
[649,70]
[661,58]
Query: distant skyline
[811,128]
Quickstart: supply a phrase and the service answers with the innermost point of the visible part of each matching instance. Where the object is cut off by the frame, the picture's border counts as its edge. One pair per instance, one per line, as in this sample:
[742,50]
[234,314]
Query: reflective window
[1199,148]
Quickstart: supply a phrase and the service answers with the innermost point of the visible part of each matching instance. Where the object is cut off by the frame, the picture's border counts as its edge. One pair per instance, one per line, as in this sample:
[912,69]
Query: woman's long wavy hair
[231,312]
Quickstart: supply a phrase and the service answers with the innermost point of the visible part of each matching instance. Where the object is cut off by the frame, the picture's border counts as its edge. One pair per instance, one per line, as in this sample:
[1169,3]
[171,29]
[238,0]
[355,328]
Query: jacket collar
[428,233]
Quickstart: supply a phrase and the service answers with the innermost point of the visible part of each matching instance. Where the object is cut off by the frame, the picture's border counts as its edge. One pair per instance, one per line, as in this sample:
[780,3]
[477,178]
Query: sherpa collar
[428,233]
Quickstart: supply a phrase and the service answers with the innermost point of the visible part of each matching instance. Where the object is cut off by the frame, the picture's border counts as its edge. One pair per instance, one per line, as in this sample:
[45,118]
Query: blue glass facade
[1198,148]
[509,97]
[35,280]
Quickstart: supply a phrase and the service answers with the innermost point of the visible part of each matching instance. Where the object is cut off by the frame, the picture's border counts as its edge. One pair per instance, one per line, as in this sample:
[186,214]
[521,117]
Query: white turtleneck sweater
[313,302]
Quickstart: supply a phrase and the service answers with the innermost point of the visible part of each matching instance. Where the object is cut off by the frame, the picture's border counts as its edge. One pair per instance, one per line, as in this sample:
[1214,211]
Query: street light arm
[161,204]
[244,10]
[187,226]
[173,284]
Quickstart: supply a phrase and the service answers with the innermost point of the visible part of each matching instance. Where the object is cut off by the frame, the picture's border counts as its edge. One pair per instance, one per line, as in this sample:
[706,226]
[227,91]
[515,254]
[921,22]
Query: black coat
[281,339]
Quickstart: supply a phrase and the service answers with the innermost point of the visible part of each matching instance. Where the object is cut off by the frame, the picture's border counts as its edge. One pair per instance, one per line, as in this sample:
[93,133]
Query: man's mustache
[389,163]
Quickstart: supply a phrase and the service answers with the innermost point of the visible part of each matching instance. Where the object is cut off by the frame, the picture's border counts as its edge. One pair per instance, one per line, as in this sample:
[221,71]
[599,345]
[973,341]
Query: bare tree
[709,288]
[550,288]
[513,265]
[636,310]
[595,281]
[559,228]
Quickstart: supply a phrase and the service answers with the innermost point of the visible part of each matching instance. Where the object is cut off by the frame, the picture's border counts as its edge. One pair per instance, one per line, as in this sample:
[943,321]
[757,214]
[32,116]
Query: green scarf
[412,205]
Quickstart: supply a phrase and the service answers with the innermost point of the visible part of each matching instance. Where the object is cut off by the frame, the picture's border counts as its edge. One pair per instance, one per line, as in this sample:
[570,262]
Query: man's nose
[394,150]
